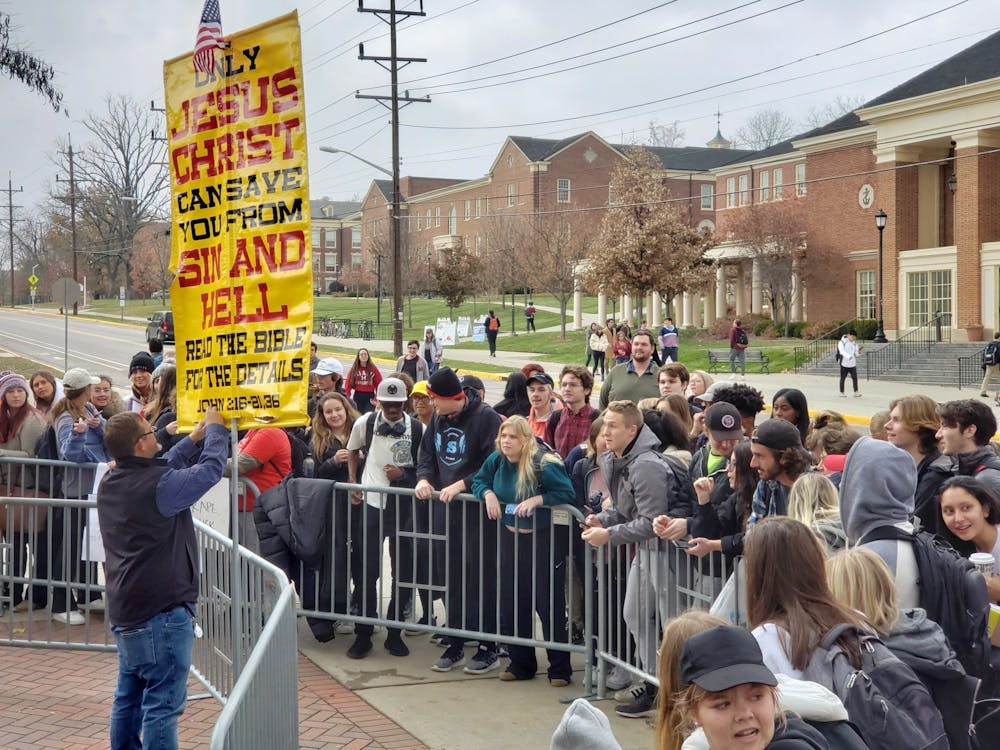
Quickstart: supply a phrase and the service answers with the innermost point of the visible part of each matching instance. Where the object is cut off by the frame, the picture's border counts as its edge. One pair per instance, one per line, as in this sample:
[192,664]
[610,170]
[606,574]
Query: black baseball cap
[724,422]
[724,657]
[777,434]
[541,377]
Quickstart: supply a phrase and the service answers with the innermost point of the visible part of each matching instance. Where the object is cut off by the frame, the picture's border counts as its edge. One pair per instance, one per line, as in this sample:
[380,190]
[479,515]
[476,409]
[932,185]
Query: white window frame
[563,190]
[355,239]
[453,221]
[479,205]
[800,179]
[765,186]
[330,262]
[468,209]
[779,184]
[744,189]
[867,301]
[730,192]
[707,197]
[437,217]
[510,195]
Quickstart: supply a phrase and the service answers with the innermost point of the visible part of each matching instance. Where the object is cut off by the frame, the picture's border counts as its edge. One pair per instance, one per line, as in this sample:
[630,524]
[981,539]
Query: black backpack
[48,478]
[300,450]
[885,700]
[952,593]
[991,354]
[741,337]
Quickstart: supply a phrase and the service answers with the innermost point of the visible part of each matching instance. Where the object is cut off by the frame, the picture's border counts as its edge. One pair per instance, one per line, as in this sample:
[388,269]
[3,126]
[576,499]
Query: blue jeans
[153,664]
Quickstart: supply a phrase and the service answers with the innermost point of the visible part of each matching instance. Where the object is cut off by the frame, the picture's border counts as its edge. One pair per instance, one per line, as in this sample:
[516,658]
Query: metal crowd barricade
[434,567]
[247,662]
[641,586]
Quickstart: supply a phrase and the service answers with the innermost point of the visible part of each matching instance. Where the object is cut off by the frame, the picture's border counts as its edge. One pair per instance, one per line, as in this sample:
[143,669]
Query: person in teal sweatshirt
[518,477]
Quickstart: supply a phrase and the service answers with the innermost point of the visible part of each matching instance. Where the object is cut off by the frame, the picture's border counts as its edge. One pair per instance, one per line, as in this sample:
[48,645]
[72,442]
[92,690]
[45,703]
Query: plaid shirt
[571,429]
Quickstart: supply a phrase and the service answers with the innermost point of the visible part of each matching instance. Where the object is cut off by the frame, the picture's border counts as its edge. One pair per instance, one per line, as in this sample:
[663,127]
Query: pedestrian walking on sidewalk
[492,329]
[991,363]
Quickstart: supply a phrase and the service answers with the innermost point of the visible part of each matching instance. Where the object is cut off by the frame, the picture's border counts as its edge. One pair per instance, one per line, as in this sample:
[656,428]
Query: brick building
[527,176]
[336,241]
[925,152]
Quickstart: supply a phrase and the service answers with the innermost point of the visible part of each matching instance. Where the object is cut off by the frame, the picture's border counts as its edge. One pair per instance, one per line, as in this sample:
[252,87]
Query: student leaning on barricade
[21,425]
[79,430]
[515,481]
[644,484]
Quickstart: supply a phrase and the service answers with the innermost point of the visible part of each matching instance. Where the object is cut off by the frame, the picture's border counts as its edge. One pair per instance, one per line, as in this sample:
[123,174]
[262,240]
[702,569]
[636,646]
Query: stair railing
[820,347]
[906,347]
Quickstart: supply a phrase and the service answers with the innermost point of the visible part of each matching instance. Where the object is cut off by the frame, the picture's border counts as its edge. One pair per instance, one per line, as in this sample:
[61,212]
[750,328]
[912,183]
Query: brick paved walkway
[61,699]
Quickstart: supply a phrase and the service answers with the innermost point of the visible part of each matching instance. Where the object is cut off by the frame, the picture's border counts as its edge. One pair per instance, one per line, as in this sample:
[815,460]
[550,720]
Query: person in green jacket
[635,379]
[518,477]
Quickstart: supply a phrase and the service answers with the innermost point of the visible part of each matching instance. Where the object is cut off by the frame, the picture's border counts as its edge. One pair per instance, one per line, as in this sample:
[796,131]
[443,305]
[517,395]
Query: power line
[709,87]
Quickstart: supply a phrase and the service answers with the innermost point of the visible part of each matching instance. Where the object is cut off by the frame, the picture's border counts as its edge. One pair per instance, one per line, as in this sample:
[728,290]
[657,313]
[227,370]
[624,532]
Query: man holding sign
[144,507]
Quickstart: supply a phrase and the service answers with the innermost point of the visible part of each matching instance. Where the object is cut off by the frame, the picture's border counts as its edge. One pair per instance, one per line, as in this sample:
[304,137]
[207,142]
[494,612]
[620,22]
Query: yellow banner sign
[240,236]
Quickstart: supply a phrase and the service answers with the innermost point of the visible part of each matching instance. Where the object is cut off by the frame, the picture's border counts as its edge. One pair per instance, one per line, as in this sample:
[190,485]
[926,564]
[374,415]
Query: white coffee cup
[983,562]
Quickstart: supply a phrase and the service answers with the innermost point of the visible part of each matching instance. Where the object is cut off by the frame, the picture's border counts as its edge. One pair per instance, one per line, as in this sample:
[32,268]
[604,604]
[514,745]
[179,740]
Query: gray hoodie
[877,490]
[642,487]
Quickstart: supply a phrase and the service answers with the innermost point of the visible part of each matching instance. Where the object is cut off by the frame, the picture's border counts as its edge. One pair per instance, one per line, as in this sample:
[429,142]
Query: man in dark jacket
[454,446]
[152,569]
[966,429]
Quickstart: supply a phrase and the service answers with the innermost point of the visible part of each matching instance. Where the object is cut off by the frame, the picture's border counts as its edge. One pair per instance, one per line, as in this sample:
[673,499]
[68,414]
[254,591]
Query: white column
[756,295]
[577,308]
[720,291]
[686,311]
[797,292]
[696,301]
[627,308]
[710,299]
[602,307]
[656,315]
[741,291]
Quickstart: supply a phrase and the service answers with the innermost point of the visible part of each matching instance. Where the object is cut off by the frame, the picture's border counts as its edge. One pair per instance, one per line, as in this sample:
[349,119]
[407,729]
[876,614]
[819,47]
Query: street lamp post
[397,270]
[378,280]
[880,220]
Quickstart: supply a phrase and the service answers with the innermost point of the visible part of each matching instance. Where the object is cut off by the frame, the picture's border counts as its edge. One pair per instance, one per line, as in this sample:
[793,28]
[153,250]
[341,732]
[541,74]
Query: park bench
[720,358]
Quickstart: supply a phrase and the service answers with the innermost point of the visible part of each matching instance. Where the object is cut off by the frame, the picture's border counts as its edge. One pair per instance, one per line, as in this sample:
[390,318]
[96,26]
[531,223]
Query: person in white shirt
[847,351]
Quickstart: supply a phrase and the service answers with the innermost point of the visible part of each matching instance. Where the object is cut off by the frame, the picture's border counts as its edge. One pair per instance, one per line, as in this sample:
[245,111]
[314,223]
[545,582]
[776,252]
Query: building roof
[689,158]
[980,62]
[324,208]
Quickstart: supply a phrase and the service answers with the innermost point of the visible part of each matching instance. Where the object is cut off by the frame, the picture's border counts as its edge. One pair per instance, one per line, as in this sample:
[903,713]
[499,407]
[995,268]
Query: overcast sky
[118,46]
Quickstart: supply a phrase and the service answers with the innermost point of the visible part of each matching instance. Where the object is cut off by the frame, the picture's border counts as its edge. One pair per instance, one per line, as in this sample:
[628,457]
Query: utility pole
[391,16]
[10,228]
[72,217]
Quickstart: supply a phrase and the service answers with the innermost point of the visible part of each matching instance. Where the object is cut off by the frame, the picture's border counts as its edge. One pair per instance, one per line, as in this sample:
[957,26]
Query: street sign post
[67,293]
[121,301]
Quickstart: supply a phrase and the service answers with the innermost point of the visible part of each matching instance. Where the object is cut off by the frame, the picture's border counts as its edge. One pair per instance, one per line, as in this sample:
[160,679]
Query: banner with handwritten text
[240,234]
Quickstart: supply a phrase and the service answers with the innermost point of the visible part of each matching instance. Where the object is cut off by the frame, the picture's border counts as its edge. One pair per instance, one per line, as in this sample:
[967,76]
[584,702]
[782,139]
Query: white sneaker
[70,618]
[629,694]
[96,605]
[857,394]
[843,395]
[619,678]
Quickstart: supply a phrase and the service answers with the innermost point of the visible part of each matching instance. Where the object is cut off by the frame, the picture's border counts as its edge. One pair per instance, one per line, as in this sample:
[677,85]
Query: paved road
[100,347]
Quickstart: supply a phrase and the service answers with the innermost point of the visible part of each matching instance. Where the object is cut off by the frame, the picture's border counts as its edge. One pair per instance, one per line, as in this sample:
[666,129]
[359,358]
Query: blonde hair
[650,402]
[707,379]
[814,500]
[527,478]
[670,720]
[688,699]
[861,580]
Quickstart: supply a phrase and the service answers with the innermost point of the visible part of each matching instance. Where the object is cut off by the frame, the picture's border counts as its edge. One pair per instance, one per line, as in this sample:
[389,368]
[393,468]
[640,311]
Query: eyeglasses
[145,434]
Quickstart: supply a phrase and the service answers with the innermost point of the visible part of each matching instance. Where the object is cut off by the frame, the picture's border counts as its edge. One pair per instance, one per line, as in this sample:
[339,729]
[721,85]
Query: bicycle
[365,329]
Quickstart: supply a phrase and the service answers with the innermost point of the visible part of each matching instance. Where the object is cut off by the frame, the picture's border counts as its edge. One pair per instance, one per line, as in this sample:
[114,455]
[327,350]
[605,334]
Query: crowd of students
[826,522]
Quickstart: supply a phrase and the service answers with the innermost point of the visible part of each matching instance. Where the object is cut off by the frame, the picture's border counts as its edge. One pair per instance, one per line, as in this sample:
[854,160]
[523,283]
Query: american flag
[209,37]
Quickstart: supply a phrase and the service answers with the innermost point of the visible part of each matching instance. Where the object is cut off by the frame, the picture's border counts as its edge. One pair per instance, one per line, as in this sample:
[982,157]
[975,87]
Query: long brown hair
[322,433]
[10,420]
[670,720]
[786,585]
[164,396]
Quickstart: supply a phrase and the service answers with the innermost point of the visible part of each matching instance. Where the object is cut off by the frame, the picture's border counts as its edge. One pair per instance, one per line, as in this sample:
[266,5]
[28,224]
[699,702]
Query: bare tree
[774,235]
[41,247]
[669,135]
[817,117]
[645,243]
[122,182]
[36,74]
[764,128]
[151,258]
[551,254]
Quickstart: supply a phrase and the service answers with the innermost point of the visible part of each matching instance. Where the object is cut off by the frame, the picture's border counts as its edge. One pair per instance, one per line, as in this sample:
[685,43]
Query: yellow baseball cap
[420,389]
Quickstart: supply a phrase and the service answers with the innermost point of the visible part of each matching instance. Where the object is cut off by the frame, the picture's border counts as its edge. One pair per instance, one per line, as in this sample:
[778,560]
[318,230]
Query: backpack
[885,700]
[493,323]
[952,593]
[300,450]
[741,337]
[991,354]
[49,479]
[416,433]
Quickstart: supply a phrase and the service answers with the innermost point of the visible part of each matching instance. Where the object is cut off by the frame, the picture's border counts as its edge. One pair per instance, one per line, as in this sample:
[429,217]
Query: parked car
[160,294]
[161,326]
